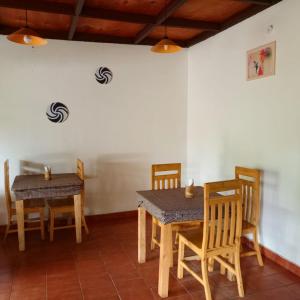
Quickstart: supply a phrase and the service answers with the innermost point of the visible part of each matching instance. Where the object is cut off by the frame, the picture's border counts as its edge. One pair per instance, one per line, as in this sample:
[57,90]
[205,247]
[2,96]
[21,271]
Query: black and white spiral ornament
[104,75]
[57,112]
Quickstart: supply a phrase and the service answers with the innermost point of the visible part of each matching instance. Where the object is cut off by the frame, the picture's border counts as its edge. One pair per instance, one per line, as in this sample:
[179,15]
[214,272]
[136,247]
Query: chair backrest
[80,173]
[250,179]
[8,200]
[222,216]
[80,169]
[166,176]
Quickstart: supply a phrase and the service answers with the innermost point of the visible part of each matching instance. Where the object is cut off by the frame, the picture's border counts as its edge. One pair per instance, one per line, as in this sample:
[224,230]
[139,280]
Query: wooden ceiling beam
[162,17]
[196,24]
[48,34]
[92,37]
[78,9]
[85,37]
[235,19]
[257,2]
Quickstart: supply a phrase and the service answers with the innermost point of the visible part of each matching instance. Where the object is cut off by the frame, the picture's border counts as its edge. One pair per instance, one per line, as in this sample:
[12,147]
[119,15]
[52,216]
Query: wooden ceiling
[188,22]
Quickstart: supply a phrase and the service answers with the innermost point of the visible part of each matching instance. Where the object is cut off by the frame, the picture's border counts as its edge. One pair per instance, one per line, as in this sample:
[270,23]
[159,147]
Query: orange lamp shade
[26,36]
[166,46]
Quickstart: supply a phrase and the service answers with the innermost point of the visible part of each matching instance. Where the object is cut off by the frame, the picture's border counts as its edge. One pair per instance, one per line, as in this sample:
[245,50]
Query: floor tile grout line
[78,277]
[47,285]
[113,282]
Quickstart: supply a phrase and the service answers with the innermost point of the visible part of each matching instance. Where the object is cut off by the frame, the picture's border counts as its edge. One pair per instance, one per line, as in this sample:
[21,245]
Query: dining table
[169,207]
[59,186]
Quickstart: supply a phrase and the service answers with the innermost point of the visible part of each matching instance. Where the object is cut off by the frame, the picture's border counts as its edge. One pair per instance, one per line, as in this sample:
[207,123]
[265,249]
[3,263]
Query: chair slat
[232,223]
[219,225]
[226,224]
[212,226]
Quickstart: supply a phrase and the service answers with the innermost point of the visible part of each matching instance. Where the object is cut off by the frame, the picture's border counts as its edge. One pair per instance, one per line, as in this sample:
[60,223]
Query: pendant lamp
[166,45]
[27,36]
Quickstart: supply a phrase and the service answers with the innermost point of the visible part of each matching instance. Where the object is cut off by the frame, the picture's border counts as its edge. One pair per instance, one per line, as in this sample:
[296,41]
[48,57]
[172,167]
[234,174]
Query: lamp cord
[26,17]
[165,33]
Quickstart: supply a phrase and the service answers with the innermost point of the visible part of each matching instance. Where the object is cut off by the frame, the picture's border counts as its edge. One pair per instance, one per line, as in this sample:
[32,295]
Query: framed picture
[261,61]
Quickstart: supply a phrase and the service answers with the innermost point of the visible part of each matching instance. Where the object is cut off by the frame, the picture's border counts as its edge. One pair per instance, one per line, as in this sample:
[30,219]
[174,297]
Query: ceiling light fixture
[166,45]
[27,36]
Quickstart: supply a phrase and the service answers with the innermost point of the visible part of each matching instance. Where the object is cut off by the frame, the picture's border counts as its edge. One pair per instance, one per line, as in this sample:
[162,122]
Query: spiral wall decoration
[57,112]
[104,75]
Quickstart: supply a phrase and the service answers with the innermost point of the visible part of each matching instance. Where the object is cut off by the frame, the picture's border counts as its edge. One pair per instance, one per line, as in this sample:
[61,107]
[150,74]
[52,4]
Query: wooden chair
[220,236]
[66,206]
[170,179]
[250,179]
[36,206]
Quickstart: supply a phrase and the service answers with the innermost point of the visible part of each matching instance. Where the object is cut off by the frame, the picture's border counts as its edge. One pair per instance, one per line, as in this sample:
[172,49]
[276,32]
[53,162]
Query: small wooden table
[35,186]
[168,206]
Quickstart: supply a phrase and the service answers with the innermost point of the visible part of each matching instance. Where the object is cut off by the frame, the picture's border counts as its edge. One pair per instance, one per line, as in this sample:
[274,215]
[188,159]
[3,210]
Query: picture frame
[261,61]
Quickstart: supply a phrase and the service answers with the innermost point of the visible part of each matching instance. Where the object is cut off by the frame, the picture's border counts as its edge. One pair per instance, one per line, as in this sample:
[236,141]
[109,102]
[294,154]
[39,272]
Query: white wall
[118,130]
[232,121]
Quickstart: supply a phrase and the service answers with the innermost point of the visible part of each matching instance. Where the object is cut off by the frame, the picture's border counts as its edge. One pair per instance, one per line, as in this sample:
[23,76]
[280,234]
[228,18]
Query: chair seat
[181,226]
[60,202]
[193,237]
[31,204]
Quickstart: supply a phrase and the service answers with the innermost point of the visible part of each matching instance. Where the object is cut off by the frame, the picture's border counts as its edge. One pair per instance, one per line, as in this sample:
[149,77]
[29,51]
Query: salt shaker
[189,189]
[47,173]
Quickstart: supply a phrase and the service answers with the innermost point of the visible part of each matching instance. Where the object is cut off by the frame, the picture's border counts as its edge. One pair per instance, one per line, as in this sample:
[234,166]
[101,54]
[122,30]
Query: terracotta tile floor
[105,266]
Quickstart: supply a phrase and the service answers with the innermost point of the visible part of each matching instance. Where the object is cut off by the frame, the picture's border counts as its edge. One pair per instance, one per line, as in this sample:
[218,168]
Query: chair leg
[48,225]
[239,278]
[7,227]
[85,225]
[204,267]
[176,238]
[257,249]
[180,258]
[52,216]
[6,231]
[211,263]
[42,223]
[222,268]
[153,233]
[69,220]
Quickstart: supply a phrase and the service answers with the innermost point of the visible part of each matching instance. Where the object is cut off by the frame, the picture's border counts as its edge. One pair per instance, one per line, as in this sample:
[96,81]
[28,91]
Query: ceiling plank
[104,14]
[39,6]
[196,24]
[78,9]
[235,19]
[99,13]
[162,16]
[113,15]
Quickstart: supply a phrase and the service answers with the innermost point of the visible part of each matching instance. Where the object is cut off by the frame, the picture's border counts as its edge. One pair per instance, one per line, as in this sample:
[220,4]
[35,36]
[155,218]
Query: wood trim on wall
[276,258]
[112,216]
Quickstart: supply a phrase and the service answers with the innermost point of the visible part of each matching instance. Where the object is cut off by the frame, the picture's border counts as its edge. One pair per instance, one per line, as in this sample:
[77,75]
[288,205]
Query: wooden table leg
[20,222]
[164,260]
[77,209]
[141,235]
